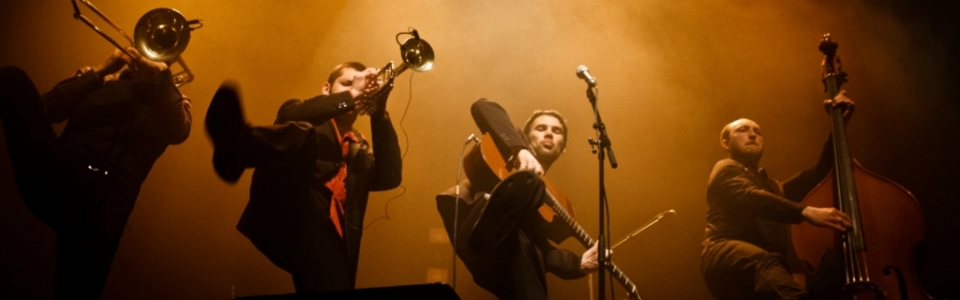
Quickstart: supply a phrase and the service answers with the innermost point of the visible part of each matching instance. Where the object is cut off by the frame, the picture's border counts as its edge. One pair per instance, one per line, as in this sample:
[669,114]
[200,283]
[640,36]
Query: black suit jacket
[289,204]
[748,206]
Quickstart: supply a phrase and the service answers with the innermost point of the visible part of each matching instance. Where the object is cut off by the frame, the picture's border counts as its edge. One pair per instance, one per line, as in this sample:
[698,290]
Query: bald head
[743,141]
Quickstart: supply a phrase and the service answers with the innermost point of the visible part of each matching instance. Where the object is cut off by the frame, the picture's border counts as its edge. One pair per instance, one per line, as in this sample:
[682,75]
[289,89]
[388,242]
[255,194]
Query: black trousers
[740,270]
[513,269]
[317,259]
[315,268]
[58,191]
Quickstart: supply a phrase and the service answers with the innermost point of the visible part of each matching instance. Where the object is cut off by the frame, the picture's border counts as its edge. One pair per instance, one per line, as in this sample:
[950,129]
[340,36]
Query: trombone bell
[161,35]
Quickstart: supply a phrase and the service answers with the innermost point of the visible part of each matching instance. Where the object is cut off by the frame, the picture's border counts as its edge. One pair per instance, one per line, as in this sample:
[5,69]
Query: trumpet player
[313,172]
[123,113]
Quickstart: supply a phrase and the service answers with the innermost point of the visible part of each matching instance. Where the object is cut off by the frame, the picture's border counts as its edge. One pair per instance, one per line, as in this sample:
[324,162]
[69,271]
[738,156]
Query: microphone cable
[456,206]
[406,148]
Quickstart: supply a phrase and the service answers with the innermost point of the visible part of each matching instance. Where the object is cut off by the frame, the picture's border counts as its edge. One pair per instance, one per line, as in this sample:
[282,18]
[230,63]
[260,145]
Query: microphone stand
[601,147]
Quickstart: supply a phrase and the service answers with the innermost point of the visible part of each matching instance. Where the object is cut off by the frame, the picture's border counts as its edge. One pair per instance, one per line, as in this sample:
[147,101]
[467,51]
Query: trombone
[161,35]
[417,55]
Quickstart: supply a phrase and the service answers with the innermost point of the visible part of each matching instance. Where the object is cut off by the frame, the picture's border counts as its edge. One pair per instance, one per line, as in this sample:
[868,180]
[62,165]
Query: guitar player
[501,238]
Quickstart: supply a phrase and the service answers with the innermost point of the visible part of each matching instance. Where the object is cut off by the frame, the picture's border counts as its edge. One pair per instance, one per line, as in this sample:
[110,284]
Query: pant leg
[36,160]
[510,270]
[527,273]
[53,191]
[740,270]
[84,258]
[321,262]
[278,142]
[512,201]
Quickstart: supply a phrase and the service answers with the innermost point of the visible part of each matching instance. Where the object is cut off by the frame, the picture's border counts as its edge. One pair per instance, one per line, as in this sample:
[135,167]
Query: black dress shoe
[229,131]
[514,198]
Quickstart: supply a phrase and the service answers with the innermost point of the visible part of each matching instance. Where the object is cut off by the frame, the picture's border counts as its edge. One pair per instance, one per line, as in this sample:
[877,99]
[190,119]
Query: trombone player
[123,113]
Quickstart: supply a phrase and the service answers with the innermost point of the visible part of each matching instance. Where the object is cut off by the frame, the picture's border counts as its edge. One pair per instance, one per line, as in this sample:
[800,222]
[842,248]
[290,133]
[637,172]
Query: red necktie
[336,184]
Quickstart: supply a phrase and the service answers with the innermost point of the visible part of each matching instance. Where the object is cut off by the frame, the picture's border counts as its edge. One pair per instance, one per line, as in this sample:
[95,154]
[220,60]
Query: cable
[406,139]
[456,207]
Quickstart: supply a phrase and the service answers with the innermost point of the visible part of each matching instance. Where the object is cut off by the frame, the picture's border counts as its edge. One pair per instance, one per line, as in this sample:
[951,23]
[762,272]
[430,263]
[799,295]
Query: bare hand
[365,85]
[589,261]
[827,217]
[113,64]
[144,69]
[525,161]
[841,101]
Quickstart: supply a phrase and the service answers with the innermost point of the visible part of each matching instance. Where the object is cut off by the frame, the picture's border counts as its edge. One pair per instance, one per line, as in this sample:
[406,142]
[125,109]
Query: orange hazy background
[670,73]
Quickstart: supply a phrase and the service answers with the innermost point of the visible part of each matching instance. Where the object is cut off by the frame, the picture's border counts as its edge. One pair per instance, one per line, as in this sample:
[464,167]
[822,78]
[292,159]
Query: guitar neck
[588,242]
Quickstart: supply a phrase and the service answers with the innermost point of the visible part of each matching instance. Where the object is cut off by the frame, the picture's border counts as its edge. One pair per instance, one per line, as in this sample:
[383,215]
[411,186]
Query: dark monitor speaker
[438,291]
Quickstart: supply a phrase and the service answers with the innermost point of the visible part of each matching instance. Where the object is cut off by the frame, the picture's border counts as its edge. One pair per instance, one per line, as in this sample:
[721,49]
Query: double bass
[873,259]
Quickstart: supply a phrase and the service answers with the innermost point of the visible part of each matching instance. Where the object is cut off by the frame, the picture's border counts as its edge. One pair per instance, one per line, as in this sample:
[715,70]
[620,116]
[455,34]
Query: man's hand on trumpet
[364,88]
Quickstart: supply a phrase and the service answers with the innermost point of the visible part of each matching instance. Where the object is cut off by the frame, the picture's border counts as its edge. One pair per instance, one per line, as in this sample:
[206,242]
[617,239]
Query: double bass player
[747,251]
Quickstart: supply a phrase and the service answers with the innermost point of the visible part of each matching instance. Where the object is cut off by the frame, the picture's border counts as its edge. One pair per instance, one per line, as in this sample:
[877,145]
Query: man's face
[342,84]
[547,137]
[745,140]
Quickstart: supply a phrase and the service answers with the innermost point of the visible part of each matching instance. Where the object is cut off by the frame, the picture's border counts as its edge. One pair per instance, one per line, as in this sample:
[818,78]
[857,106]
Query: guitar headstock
[832,68]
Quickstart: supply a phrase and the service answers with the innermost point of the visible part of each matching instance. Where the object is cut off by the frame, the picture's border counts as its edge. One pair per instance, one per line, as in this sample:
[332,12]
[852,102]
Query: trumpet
[161,35]
[417,55]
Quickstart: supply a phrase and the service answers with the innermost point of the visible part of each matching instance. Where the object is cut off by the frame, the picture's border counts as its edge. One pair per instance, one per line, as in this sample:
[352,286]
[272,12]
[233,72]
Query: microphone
[669,213]
[472,137]
[584,73]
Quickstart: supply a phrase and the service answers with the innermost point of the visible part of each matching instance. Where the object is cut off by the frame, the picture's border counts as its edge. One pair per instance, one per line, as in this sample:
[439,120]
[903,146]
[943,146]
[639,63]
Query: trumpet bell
[417,54]
[162,34]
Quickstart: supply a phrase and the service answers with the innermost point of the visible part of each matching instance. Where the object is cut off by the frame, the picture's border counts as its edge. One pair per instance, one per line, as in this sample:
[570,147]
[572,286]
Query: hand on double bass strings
[827,217]
[588,261]
[842,101]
